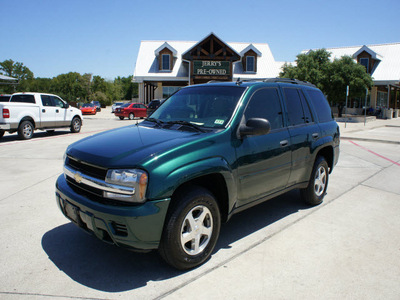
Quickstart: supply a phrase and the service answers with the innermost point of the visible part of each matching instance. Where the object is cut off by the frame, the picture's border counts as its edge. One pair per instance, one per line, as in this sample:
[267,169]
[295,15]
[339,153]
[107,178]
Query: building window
[250,64]
[169,90]
[165,62]
[382,99]
[365,62]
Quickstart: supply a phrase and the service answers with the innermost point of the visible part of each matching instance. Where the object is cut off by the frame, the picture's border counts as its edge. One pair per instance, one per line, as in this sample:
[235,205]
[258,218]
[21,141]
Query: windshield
[205,106]
[126,105]
[88,105]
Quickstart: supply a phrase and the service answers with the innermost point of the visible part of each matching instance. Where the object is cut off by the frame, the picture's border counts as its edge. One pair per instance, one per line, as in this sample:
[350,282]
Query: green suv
[208,152]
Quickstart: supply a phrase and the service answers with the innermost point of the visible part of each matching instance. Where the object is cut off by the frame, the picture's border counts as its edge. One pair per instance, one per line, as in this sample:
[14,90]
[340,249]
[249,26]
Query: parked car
[153,105]
[208,152]
[97,105]
[116,105]
[131,111]
[26,112]
[88,109]
[5,98]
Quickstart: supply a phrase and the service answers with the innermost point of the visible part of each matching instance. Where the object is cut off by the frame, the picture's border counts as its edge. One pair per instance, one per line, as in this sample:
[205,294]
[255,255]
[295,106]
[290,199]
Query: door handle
[284,143]
[57,111]
[43,110]
[315,135]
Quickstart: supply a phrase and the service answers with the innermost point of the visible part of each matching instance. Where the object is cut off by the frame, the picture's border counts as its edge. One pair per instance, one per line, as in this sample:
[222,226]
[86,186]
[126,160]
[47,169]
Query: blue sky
[53,37]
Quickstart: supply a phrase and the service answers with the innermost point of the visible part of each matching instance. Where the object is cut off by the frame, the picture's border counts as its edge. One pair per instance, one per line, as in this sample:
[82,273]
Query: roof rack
[281,80]
[289,80]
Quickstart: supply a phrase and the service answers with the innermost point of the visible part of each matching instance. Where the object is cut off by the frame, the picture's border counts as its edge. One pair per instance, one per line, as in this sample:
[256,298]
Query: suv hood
[128,146]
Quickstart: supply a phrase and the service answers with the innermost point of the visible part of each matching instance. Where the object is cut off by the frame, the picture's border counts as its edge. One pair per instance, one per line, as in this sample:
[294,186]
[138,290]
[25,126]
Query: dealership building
[162,67]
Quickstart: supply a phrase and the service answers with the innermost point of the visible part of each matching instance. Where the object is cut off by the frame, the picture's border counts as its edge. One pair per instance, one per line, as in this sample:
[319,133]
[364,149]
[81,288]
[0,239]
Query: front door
[264,162]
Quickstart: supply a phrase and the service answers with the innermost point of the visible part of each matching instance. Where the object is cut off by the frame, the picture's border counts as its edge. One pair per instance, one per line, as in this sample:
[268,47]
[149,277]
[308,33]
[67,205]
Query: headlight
[134,178]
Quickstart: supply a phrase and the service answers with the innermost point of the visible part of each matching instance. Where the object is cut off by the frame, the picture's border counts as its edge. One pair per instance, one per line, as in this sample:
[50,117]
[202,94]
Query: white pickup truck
[26,112]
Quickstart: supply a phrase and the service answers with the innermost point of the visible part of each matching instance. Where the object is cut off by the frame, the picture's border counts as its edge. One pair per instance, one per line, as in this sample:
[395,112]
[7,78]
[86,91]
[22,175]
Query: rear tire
[25,130]
[121,118]
[1,133]
[315,192]
[76,125]
[191,229]
[131,116]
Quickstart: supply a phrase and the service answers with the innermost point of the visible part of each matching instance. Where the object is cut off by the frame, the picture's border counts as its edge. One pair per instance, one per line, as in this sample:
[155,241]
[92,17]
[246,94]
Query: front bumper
[136,227]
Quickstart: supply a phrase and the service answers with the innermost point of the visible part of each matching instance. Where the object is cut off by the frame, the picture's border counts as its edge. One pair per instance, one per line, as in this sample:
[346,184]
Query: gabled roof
[163,46]
[248,48]
[388,68]
[365,48]
[211,36]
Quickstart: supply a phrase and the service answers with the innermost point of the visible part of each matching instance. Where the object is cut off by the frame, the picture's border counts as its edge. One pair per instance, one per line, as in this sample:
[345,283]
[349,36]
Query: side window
[46,100]
[321,105]
[265,104]
[142,106]
[58,102]
[23,98]
[294,107]
[306,108]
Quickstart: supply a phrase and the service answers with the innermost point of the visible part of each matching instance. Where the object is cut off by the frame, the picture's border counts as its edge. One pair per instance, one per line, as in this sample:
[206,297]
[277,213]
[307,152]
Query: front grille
[85,168]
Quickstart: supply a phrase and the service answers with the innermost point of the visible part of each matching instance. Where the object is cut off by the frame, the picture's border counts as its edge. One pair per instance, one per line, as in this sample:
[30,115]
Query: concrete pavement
[346,248]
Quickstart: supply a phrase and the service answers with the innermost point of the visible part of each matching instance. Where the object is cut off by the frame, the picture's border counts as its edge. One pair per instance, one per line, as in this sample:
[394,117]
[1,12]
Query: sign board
[211,68]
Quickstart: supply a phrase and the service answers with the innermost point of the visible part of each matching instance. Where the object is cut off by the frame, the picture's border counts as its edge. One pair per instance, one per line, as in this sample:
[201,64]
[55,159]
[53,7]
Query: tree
[346,72]
[331,77]
[15,69]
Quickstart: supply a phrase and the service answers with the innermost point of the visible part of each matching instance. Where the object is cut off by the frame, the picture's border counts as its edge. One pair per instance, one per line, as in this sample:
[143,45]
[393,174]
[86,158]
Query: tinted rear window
[4,98]
[23,98]
[321,105]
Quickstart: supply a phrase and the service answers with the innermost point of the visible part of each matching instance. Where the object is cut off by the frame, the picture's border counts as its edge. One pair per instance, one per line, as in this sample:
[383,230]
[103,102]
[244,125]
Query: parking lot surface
[346,248]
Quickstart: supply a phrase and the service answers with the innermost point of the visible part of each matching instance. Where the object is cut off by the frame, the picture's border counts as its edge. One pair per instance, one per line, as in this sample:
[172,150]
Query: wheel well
[27,119]
[327,153]
[216,184]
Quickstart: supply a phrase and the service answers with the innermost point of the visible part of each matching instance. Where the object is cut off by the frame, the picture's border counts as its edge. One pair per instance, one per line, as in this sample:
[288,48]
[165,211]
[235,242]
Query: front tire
[131,116]
[121,118]
[25,130]
[76,125]
[1,133]
[191,229]
[315,192]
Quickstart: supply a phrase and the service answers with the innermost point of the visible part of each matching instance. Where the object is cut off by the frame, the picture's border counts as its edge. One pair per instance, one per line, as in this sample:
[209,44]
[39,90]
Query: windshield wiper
[186,123]
[157,121]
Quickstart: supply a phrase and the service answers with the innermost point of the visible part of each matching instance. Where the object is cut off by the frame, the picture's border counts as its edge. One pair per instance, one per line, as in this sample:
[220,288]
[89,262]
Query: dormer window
[365,62]
[250,63]
[165,65]
[165,55]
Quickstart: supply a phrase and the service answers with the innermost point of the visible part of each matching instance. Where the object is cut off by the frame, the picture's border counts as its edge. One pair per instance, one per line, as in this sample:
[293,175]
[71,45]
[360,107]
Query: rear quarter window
[321,105]
[23,98]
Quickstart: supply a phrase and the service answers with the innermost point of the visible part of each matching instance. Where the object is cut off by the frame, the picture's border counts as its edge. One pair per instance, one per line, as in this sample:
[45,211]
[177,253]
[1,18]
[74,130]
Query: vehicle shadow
[36,135]
[108,268]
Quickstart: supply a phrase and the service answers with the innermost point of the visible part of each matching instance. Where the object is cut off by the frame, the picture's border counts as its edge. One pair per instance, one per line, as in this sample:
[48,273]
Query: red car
[88,109]
[131,110]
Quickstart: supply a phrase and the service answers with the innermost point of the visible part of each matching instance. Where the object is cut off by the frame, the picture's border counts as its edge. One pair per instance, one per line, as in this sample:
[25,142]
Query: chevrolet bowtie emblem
[78,177]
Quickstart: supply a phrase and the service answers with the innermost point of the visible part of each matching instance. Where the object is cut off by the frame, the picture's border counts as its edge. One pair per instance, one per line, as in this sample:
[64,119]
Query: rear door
[48,112]
[304,131]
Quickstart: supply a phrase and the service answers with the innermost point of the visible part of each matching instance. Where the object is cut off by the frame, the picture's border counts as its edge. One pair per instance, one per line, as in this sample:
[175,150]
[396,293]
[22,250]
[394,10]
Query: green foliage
[331,77]
[16,70]
[70,86]
[99,96]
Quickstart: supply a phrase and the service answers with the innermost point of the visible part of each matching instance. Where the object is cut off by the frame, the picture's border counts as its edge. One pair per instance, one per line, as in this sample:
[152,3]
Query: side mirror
[66,105]
[255,126]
